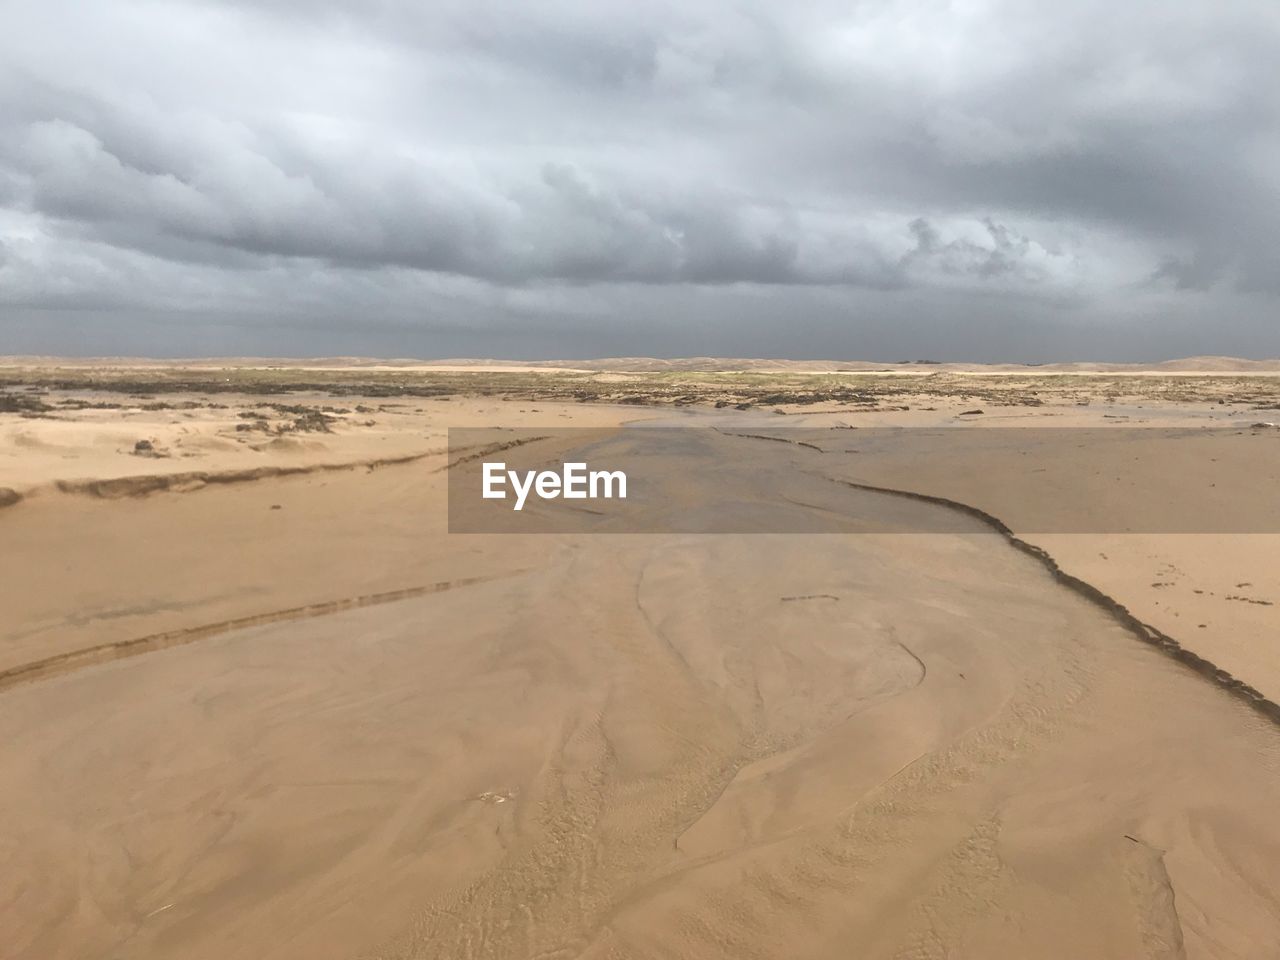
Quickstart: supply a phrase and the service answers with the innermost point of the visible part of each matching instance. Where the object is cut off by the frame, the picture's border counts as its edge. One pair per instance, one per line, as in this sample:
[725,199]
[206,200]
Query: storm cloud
[978,180]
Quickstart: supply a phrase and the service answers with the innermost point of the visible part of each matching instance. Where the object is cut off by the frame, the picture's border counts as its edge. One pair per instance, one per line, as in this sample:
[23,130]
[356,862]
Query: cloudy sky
[1024,180]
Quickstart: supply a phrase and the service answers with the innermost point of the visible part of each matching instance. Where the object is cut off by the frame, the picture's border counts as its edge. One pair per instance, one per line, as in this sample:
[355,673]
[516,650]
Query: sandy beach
[715,480]
[258,702]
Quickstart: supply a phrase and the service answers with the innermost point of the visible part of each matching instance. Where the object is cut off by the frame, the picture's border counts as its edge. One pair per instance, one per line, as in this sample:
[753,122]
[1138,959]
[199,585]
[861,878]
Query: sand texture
[256,701]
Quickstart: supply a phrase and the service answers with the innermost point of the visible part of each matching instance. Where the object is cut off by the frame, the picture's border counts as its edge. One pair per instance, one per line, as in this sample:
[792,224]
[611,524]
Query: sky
[1028,180]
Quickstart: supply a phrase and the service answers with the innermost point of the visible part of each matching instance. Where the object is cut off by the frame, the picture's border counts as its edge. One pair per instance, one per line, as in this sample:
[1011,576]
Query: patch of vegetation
[28,403]
[738,389]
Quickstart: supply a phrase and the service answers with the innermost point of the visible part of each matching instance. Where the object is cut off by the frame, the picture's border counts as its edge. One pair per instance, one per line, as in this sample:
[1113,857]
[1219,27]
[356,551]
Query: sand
[283,713]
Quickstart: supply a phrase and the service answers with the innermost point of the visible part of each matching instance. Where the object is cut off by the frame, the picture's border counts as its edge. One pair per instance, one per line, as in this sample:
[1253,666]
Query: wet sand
[602,746]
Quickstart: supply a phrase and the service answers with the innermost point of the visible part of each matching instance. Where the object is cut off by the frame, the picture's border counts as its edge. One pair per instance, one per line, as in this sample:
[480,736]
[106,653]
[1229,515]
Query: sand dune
[291,716]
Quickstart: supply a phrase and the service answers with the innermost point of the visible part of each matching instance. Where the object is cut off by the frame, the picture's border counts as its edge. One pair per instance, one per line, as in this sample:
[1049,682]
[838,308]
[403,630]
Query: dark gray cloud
[990,180]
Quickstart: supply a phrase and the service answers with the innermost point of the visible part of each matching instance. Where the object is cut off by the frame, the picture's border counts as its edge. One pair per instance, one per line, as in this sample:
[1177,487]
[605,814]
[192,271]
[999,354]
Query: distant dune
[1187,365]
